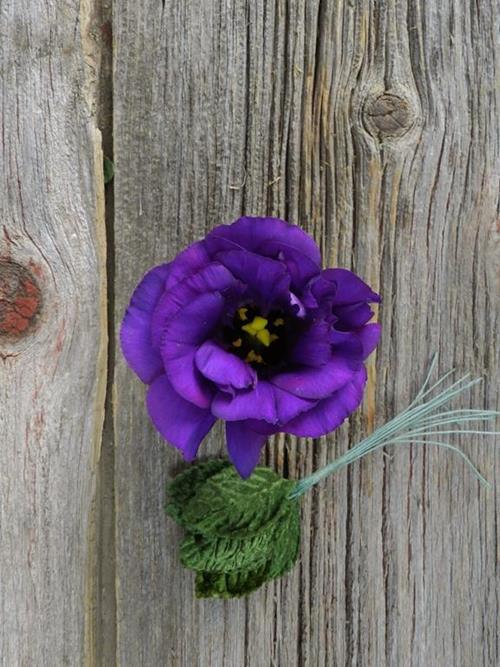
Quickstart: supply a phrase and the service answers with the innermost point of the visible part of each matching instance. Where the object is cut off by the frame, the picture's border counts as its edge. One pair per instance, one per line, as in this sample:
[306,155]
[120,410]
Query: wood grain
[52,372]
[374,126]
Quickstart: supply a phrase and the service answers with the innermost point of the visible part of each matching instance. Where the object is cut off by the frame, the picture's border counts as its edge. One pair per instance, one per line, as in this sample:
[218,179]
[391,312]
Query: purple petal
[187,380]
[317,382]
[349,288]
[257,403]
[297,306]
[212,278]
[267,236]
[273,238]
[181,423]
[193,323]
[301,268]
[346,344]
[289,406]
[352,316]
[224,368]
[264,402]
[244,446]
[189,261]
[369,336]
[262,427]
[329,413]
[313,347]
[135,333]
[322,288]
[185,332]
[267,280]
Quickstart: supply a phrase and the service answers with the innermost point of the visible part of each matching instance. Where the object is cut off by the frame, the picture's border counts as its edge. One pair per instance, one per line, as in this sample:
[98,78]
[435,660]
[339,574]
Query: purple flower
[244,326]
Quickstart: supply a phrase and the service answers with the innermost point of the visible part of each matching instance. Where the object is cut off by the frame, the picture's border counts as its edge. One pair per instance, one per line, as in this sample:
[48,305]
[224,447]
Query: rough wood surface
[371,123]
[374,125]
[52,330]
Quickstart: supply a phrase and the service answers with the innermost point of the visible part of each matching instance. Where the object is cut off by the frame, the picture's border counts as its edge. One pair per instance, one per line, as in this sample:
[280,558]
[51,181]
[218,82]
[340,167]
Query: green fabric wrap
[239,534]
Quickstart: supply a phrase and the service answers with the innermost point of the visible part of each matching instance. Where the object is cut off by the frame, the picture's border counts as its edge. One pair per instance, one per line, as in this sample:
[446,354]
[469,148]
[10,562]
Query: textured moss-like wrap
[239,533]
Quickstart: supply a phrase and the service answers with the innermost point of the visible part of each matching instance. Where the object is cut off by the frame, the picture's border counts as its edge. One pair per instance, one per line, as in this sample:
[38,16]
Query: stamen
[258,324]
[251,336]
[253,357]
[265,337]
[258,329]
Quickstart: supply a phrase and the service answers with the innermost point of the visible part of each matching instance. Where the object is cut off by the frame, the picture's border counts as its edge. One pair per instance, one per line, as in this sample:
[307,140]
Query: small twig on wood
[239,187]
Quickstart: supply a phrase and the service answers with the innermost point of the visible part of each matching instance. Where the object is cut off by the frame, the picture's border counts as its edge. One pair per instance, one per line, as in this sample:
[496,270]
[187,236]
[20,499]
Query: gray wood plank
[52,329]
[372,125]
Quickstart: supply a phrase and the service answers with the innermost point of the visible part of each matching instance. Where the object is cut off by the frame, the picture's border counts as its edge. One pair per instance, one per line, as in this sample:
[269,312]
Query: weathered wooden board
[374,126]
[52,329]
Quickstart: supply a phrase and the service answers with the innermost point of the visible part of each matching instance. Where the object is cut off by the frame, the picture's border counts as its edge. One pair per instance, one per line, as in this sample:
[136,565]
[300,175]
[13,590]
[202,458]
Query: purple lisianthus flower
[244,326]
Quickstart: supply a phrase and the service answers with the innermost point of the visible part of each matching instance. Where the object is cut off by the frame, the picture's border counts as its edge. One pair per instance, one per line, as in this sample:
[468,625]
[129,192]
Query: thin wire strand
[413,426]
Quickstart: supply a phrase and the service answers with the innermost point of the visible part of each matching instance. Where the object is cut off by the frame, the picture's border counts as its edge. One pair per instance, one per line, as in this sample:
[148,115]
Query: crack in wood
[97,40]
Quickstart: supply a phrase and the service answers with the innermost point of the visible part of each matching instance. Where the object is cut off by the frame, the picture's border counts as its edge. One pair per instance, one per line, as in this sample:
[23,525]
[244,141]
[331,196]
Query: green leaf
[222,585]
[239,533]
[226,554]
[228,506]
[281,554]
[109,170]
[185,485]
[286,543]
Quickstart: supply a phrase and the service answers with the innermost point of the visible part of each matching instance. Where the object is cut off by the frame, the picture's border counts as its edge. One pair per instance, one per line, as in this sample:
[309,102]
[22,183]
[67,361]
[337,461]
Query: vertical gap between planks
[97,40]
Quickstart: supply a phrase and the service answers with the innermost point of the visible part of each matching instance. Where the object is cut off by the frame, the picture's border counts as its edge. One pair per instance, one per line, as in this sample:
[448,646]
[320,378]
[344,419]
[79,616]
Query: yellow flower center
[252,337]
[257,328]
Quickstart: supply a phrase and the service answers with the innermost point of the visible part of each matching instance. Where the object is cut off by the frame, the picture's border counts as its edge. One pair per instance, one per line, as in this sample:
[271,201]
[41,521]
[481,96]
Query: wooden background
[374,124]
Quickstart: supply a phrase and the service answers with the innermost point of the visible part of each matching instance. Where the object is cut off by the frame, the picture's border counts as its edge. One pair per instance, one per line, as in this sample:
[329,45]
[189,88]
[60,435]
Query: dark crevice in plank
[301,614]
[246,637]
[386,560]
[286,460]
[106,631]
[349,572]
[103,584]
[247,117]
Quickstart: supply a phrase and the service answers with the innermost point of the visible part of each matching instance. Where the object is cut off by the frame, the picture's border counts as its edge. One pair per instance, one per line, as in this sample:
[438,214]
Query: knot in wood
[388,115]
[20,300]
